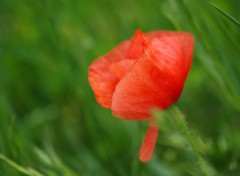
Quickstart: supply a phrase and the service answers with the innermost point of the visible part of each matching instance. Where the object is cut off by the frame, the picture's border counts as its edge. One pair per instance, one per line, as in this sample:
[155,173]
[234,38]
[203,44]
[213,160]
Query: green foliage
[50,123]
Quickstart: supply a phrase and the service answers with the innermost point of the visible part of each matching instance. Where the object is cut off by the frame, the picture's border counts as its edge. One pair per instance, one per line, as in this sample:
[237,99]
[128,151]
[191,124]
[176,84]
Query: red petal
[101,79]
[155,81]
[167,54]
[138,44]
[121,67]
[186,42]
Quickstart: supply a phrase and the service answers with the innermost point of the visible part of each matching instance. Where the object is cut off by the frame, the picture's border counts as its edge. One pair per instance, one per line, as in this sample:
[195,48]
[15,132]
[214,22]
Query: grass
[50,123]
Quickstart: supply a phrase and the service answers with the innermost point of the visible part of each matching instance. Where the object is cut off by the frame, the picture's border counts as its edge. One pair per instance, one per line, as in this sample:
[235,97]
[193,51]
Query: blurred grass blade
[52,160]
[26,171]
[226,14]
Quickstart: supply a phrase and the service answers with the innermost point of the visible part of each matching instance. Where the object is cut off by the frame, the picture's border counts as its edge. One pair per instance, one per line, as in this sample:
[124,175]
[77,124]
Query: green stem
[28,171]
[179,120]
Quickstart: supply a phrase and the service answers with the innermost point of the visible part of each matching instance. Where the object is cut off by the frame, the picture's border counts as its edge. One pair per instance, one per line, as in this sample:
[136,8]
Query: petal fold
[138,45]
[121,67]
[102,80]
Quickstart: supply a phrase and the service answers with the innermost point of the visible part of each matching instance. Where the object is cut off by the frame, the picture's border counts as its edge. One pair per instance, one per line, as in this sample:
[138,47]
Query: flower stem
[149,142]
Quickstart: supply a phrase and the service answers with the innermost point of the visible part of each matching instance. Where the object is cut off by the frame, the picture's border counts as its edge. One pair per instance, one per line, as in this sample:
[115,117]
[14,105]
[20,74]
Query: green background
[50,120]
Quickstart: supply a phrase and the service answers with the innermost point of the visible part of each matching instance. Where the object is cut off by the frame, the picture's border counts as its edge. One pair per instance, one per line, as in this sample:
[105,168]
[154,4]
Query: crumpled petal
[102,80]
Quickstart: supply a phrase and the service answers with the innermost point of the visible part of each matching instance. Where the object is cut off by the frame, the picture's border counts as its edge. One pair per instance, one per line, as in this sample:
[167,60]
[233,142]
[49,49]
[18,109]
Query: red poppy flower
[140,74]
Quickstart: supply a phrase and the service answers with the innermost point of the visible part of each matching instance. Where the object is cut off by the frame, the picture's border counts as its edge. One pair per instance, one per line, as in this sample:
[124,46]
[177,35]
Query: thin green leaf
[26,171]
[226,14]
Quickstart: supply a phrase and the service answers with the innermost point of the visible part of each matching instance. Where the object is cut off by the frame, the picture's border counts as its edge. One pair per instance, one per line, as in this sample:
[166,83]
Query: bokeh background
[50,123]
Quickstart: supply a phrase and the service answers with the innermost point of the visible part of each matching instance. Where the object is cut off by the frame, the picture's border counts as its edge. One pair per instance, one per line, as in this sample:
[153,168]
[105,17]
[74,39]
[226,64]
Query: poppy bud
[140,74]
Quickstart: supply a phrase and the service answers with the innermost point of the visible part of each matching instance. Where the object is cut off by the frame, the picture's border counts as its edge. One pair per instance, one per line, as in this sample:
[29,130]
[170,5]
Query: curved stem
[149,142]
